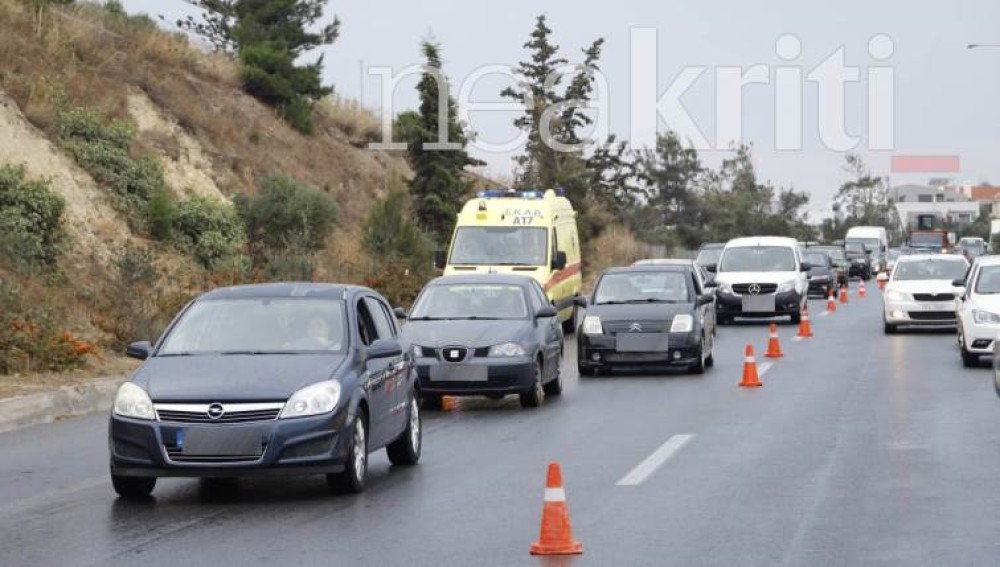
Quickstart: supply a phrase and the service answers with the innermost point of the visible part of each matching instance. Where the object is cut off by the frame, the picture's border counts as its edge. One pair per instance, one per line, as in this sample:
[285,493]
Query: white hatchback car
[921,291]
[979,309]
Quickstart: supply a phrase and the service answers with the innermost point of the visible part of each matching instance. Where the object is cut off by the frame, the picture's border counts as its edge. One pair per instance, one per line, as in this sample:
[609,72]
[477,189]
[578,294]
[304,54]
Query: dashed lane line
[648,466]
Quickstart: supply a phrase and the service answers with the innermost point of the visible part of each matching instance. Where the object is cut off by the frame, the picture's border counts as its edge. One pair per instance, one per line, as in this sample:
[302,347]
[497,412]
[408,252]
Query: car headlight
[985,317]
[683,323]
[592,325]
[895,295]
[786,287]
[132,401]
[507,349]
[819,278]
[322,397]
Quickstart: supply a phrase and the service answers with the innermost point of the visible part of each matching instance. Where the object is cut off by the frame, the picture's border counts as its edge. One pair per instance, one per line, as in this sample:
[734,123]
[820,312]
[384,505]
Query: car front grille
[933,296]
[454,353]
[637,357]
[932,315]
[646,326]
[177,456]
[232,413]
[744,288]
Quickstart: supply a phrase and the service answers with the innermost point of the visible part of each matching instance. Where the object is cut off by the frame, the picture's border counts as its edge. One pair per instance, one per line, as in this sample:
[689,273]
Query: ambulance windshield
[500,246]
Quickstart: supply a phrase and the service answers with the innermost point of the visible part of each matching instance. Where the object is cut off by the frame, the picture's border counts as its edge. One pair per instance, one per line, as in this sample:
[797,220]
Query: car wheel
[555,386]
[532,398]
[796,317]
[710,359]
[585,370]
[723,320]
[133,487]
[569,325]
[406,450]
[969,359]
[352,479]
[891,329]
[699,367]
[431,401]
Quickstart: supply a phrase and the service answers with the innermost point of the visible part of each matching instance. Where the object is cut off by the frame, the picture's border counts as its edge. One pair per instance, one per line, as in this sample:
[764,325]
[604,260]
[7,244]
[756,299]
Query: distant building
[948,204]
[985,194]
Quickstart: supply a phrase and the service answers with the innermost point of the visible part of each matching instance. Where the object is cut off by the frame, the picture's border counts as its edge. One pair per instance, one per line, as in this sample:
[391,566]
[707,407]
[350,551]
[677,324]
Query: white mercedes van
[761,276]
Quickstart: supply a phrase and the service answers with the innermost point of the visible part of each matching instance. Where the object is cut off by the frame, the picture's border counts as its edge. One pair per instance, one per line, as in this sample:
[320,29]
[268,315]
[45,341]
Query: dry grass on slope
[86,57]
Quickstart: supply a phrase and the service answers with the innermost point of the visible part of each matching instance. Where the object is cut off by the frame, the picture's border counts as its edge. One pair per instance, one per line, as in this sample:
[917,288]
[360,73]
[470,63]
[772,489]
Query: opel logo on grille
[216,411]
[754,289]
[635,328]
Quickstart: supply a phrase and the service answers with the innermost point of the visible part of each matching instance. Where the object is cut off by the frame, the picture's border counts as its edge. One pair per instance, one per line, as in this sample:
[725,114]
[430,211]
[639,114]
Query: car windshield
[258,326]
[926,240]
[869,243]
[817,259]
[709,256]
[988,281]
[500,246]
[936,269]
[640,287]
[470,301]
[758,259]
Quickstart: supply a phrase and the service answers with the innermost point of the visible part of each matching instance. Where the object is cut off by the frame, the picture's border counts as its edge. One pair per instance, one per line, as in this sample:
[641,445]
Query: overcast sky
[946,97]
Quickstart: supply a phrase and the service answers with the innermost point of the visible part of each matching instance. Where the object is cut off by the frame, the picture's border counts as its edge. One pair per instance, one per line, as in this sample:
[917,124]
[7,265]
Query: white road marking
[824,314]
[647,467]
[797,338]
[763,368]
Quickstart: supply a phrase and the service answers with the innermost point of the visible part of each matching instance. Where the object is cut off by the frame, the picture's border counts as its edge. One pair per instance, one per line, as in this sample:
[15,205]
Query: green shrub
[160,211]
[285,213]
[209,230]
[30,220]
[298,115]
[103,148]
[389,231]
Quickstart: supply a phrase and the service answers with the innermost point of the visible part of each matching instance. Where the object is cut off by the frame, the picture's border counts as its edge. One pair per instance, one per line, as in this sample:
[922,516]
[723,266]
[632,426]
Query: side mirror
[580,301]
[384,348]
[711,268]
[706,298]
[400,313]
[805,267]
[711,284]
[958,282]
[546,312]
[560,261]
[440,259]
[140,350]
[958,291]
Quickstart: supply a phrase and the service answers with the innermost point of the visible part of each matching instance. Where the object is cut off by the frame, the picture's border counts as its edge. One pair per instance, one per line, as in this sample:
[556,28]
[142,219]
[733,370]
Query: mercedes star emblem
[754,289]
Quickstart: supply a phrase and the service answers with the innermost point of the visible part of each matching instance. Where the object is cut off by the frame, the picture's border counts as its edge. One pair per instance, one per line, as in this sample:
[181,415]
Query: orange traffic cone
[831,304]
[861,289]
[805,329]
[750,377]
[843,294]
[556,536]
[773,346]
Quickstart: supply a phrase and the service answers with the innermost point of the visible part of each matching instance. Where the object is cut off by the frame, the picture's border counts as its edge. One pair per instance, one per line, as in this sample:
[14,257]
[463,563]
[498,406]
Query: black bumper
[821,289]
[502,376]
[600,352]
[731,305]
[308,445]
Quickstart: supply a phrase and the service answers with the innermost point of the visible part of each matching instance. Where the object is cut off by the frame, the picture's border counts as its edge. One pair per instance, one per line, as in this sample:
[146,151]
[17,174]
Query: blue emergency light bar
[510,194]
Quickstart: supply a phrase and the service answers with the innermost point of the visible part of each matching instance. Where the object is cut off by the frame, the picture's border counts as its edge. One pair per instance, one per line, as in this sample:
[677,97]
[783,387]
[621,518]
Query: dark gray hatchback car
[275,379]
[486,335]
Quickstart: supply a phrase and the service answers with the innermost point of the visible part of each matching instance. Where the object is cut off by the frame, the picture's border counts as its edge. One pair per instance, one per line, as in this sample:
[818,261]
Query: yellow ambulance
[531,233]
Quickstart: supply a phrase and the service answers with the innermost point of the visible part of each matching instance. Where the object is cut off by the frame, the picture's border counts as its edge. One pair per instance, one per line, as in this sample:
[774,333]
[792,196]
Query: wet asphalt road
[859,449]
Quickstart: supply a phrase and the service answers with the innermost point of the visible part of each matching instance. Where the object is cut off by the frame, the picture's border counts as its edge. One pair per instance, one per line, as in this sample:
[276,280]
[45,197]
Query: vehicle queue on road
[308,378]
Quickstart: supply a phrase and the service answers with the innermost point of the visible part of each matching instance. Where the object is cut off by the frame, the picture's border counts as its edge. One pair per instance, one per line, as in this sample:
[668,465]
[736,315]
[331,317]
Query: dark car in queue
[822,275]
[647,317]
[710,254]
[841,266]
[859,259]
[272,379]
[485,335]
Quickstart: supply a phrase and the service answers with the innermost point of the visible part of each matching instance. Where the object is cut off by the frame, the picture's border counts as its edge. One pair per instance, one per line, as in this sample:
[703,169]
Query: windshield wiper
[477,318]
[255,352]
[428,318]
[176,354]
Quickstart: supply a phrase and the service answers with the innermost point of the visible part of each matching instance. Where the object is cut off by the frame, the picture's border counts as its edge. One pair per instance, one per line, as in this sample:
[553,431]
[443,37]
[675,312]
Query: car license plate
[936,307]
[221,441]
[758,303]
[459,373]
[641,342]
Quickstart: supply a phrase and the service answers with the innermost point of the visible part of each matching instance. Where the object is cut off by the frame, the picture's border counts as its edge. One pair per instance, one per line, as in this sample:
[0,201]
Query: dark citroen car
[485,335]
[648,316]
[287,379]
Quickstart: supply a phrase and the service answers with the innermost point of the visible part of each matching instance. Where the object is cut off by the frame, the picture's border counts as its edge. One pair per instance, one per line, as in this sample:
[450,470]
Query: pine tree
[438,188]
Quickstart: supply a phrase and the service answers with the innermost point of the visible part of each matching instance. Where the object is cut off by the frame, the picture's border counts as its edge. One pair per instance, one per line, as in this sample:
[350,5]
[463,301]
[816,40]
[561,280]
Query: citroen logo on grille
[754,289]
[635,328]
[216,411]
